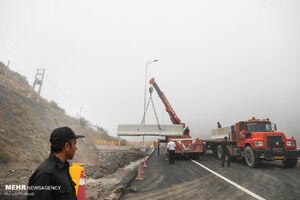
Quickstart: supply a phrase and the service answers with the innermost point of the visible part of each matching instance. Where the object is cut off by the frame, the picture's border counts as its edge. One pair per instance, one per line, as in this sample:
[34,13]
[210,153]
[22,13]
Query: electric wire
[47,79]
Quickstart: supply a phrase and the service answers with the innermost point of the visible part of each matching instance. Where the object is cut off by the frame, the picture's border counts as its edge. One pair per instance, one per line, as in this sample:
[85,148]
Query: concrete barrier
[112,148]
[150,130]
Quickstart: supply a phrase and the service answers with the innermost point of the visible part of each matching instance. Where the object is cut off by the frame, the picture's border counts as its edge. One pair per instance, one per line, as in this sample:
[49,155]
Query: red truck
[185,145]
[255,140]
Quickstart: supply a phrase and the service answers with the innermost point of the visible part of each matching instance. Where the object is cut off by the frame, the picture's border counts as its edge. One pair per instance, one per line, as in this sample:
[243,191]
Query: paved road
[187,180]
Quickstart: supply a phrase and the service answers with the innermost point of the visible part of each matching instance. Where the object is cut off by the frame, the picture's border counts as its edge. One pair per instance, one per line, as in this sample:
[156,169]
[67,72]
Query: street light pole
[147,64]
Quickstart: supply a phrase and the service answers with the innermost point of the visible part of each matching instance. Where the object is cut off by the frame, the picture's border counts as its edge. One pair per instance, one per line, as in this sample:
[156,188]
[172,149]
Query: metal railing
[123,143]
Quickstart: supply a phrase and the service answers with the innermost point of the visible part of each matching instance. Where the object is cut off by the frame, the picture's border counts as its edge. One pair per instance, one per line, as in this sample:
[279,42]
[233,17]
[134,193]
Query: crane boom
[169,109]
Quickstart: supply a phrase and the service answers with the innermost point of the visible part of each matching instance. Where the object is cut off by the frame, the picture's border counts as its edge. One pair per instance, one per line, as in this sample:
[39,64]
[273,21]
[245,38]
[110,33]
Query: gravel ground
[105,188]
[112,167]
[101,179]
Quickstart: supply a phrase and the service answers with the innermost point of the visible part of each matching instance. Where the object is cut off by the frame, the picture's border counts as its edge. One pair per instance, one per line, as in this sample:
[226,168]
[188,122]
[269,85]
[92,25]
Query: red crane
[185,146]
[174,118]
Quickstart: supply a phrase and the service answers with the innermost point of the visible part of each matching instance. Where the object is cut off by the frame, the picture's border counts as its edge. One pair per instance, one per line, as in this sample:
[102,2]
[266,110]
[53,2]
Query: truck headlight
[290,143]
[259,143]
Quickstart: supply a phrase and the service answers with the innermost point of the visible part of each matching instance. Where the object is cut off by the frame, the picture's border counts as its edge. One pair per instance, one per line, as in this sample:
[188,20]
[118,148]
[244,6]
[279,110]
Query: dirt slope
[25,126]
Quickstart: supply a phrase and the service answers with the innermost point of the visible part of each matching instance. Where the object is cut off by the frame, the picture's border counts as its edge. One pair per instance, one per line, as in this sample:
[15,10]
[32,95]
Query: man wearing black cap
[51,180]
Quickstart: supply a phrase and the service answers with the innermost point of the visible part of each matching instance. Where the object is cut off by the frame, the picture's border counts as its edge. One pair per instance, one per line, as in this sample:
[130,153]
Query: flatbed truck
[255,140]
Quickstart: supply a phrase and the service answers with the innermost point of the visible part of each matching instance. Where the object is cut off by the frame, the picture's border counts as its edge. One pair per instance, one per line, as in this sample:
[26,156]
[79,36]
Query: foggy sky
[218,60]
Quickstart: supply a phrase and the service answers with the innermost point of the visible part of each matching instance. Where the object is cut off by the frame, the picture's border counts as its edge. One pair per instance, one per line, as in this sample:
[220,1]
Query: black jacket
[51,181]
[224,148]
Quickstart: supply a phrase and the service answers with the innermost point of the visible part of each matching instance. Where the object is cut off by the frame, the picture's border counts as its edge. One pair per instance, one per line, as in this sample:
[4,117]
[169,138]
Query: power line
[76,103]
[61,91]
[47,79]
[64,94]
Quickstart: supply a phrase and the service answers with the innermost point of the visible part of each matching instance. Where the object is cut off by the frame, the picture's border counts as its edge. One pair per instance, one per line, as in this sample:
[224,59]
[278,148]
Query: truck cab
[259,140]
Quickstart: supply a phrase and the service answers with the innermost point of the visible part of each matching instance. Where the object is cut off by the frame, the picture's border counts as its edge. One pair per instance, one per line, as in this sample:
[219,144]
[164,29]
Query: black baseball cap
[62,135]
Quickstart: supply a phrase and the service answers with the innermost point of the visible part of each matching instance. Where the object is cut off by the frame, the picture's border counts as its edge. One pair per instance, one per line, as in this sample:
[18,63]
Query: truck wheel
[250,157]
[220,152]
[290,163]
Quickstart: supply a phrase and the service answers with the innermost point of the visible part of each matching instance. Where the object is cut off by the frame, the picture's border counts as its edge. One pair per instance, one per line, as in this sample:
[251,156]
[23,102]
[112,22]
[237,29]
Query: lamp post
[147,64]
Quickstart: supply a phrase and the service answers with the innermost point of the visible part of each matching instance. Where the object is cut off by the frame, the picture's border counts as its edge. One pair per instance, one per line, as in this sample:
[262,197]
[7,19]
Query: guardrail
[123,143]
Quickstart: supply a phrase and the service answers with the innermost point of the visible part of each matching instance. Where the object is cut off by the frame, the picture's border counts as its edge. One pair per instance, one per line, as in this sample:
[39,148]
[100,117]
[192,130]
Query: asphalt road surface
[189,179]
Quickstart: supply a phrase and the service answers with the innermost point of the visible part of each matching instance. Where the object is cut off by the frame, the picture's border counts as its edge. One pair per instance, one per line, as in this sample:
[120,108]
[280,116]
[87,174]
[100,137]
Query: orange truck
[185,145]
[255,140]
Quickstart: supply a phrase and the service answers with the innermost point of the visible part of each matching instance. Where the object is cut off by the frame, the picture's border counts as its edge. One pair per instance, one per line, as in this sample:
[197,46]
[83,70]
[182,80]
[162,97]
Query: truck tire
[290,163]
[250,157]
[219,152]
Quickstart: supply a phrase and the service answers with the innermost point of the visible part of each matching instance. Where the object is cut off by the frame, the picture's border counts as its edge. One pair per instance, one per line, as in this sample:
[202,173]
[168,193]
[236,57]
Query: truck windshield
[259,127]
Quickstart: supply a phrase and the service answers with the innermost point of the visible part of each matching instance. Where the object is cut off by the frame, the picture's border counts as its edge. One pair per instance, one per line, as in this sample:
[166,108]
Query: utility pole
[6,72]
[38,80]
[41,83]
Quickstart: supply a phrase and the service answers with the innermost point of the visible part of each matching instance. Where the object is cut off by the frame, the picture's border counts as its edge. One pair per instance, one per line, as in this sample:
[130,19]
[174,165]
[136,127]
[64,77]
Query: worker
[53,174]
[225,151]
[171,149]
[219,125]
[187,131]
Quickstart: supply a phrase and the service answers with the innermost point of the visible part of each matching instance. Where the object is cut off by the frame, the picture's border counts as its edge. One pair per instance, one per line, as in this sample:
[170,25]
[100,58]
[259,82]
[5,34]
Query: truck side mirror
[241,126]
[232,129]
[274,127]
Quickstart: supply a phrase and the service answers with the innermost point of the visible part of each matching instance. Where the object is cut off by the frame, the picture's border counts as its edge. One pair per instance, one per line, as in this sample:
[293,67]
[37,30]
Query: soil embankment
[25,127]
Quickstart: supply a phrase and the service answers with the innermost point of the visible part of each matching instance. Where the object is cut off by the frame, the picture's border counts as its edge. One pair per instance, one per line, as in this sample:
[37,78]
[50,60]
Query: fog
[218,60]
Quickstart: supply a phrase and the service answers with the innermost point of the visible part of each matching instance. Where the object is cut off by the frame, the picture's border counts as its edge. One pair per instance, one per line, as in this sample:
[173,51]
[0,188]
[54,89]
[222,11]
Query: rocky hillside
[25,125]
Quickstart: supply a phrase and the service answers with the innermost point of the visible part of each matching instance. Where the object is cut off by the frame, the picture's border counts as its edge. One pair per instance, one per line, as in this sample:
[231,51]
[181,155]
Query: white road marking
[231,182]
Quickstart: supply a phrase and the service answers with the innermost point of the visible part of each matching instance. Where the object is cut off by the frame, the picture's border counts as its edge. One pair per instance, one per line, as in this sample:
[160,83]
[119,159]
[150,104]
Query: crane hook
[150,90]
